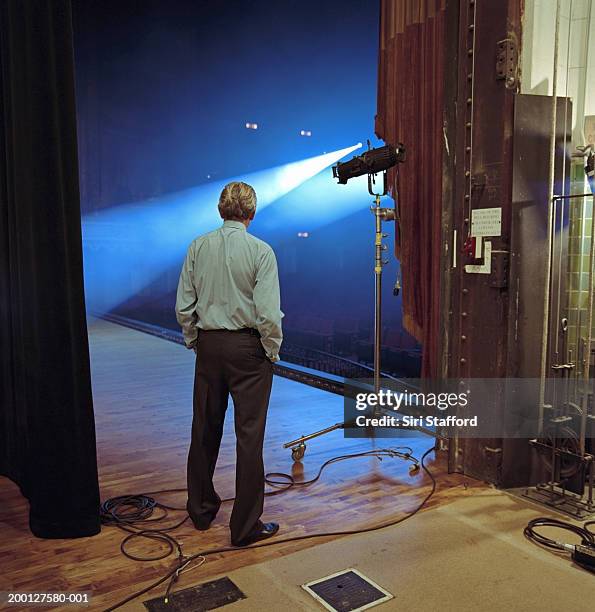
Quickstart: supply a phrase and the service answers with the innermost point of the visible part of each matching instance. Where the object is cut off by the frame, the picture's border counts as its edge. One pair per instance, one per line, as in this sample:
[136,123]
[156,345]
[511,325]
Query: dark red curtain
[410,104]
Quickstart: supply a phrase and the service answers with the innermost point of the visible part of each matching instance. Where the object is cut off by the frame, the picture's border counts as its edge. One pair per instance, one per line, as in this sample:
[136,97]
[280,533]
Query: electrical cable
[583,554]
[126,511]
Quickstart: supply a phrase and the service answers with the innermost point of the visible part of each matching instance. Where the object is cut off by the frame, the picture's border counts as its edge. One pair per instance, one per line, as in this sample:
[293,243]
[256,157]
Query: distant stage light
[303,234]
[252,126]
[305,133]
[370,162]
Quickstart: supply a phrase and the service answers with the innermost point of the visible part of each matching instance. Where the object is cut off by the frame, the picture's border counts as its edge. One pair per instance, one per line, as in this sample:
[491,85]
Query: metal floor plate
[347,591]
[207,596]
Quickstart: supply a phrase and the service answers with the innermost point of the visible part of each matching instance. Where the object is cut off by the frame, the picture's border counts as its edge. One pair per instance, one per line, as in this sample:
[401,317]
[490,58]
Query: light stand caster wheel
[298,452]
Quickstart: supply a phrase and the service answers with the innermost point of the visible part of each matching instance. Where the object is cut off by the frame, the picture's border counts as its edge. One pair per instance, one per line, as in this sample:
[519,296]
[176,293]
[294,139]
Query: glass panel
[557,58]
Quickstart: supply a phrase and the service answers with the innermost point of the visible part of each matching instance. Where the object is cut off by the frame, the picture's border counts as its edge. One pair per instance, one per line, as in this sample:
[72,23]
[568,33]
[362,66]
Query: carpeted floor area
[468,555]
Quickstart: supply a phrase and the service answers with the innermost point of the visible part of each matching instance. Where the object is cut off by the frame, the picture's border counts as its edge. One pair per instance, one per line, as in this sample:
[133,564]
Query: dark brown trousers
[229,363]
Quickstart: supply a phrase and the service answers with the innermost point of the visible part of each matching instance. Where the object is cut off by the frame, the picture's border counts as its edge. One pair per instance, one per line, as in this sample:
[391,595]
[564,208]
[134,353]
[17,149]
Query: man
[228,306]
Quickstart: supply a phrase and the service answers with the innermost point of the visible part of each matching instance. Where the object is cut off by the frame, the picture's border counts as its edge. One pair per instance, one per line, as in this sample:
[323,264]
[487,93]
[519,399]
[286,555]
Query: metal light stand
[380,215]
[298,446]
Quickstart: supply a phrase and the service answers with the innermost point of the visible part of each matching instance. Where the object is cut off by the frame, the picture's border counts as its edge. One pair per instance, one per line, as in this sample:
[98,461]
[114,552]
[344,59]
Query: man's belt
[242,330]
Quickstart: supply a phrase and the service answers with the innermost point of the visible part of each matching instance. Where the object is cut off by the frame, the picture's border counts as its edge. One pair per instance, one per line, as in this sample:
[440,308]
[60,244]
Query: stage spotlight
[370,162]
[303,234]
[305,133]
[252,126]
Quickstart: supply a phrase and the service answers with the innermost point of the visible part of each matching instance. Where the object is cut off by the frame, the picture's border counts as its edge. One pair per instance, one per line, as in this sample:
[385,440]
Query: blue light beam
[129,246]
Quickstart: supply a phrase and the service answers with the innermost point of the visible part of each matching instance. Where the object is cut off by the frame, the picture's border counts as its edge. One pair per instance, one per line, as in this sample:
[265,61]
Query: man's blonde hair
[237,201]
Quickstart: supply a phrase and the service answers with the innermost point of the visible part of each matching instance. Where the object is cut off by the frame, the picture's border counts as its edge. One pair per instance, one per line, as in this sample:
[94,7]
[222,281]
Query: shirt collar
[235,224]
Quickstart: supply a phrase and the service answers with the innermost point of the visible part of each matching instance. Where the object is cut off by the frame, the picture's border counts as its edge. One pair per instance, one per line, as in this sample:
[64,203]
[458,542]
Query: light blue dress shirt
[229,280]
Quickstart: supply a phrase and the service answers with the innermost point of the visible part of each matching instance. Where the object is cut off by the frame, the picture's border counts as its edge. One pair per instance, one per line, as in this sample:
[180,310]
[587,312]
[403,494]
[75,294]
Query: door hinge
[507,62]
[499,275]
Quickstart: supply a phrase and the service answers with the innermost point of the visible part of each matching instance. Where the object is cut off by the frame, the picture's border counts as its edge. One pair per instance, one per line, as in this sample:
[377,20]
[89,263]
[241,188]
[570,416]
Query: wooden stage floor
[143,408]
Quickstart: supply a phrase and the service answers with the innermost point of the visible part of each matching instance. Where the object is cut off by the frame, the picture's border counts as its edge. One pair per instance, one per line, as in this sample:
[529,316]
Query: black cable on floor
[583,554]
[126,512]
[129,511]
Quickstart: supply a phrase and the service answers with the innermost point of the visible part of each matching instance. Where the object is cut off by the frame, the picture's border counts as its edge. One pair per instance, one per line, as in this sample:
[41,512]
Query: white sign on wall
[486,222]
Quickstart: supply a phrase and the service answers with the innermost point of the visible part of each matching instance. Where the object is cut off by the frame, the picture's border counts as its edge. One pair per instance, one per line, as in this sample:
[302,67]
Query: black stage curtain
[47,430]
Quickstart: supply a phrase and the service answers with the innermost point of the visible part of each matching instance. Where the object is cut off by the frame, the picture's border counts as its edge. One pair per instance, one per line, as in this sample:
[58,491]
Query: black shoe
[268,530]
[202,524]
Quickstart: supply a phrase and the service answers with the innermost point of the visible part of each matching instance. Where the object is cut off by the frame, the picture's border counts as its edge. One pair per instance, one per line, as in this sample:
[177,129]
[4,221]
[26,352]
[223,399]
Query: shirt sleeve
[267,301]
[186,299]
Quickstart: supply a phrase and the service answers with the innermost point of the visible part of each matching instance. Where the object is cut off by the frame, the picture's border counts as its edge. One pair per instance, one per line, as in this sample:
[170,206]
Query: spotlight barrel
[370,162]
